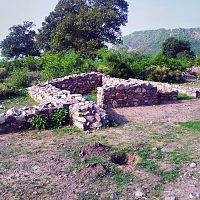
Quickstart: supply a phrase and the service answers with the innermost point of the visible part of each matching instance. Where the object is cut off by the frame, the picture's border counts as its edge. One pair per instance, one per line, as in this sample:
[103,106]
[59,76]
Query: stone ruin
[68,93]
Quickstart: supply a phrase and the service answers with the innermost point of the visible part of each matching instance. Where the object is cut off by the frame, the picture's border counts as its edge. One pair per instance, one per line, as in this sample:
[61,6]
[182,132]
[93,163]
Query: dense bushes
[63,64]
[125,64]
[162,74]
[20,73]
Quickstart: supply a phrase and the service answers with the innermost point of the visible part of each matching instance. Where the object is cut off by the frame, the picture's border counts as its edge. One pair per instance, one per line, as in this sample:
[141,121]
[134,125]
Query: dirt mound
[94,171]
[93,149]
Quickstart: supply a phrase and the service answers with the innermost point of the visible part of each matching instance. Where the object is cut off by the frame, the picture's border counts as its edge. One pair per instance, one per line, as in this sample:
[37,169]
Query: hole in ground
[124,158]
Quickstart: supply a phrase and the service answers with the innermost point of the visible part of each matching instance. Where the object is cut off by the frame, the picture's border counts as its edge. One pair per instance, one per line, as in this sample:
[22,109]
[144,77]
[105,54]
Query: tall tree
[83,25]
[20,42]
[173,47]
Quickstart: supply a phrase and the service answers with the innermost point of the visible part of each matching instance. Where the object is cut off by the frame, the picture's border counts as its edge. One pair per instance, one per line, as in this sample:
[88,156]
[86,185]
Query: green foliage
[83,25]
[20,42]
[114,63]
[162,74]
[173,47]
[19,78]
[58,118]
[38,122]
[183,96]
[59,65]
[197,61]
[193,125]
[3,73]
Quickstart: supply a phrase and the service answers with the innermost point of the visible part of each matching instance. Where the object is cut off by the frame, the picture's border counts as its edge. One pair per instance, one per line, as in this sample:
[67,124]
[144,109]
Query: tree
[173,47]
[83,25]
[20,42]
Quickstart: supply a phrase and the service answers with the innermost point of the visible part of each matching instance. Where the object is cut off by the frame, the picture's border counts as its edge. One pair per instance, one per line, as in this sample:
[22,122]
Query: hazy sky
[143,14]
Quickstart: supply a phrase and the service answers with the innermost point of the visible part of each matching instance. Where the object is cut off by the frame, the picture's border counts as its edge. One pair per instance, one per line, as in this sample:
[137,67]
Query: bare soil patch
[174,112]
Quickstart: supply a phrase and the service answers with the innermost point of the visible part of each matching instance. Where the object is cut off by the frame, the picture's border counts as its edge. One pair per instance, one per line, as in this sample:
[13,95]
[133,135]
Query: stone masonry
[67,93]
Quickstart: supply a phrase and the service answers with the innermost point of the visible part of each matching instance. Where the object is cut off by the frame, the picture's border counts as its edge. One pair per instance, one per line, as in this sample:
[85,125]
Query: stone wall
[124,93]
[18,119]
[164,88]
[67,93]
[79,83]
[53,95]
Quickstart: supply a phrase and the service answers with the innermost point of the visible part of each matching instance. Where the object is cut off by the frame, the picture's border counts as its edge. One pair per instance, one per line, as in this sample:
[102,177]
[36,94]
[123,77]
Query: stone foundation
[79,83]
[122,93]
[67,93]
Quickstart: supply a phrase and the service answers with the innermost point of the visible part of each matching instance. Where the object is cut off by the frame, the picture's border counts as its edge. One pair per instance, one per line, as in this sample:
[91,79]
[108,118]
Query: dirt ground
[67,164]
[170,112]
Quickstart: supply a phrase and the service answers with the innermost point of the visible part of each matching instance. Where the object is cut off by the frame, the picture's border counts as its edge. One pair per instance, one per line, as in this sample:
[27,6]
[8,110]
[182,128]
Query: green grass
[70,130]
[92,96]
[17,101]
[121,178]
[7,165]
[193,125]
[183,96]
[178,157]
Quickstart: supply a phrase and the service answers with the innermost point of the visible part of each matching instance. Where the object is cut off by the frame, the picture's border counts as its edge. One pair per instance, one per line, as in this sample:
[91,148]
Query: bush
[114,63]
[62,64]
[38,122]
[60,117]
[162,74]
[19,79]
[3,73]
[56,120]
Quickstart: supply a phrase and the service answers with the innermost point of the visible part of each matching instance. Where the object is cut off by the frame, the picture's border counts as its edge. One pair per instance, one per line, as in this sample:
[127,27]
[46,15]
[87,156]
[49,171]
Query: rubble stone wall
[79,83]
[124,93]
[166,88]
[67,93]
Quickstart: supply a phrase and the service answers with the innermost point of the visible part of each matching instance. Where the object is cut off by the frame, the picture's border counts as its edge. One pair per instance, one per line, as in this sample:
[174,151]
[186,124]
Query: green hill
[151,40]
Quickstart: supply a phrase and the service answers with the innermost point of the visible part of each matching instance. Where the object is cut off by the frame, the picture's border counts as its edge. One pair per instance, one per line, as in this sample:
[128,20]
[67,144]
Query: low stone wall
[164,88]
[67,93]
[79,83]
[84,114]
[124,93]
[18,119]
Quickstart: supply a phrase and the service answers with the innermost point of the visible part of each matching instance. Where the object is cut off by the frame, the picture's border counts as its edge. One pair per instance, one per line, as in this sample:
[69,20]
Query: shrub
[162,74]
[32,63]
[38,122]
[60,117]
[62,64]
[3,73]
[114,63]
[55,120]
[19,79]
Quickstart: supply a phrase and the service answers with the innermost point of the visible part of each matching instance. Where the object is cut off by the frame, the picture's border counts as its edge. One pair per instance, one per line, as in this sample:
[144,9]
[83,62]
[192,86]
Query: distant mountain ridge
[151,40]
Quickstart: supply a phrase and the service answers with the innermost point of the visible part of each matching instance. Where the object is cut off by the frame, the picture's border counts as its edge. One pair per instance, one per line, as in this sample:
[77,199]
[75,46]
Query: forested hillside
[151,40]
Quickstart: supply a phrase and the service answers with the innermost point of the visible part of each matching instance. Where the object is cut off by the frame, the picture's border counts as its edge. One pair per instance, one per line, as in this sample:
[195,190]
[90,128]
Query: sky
[143,14]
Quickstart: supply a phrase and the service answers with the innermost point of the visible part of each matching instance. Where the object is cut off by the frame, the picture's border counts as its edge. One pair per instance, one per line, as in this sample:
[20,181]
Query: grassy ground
[18,101]
[47,164]
[192,84]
